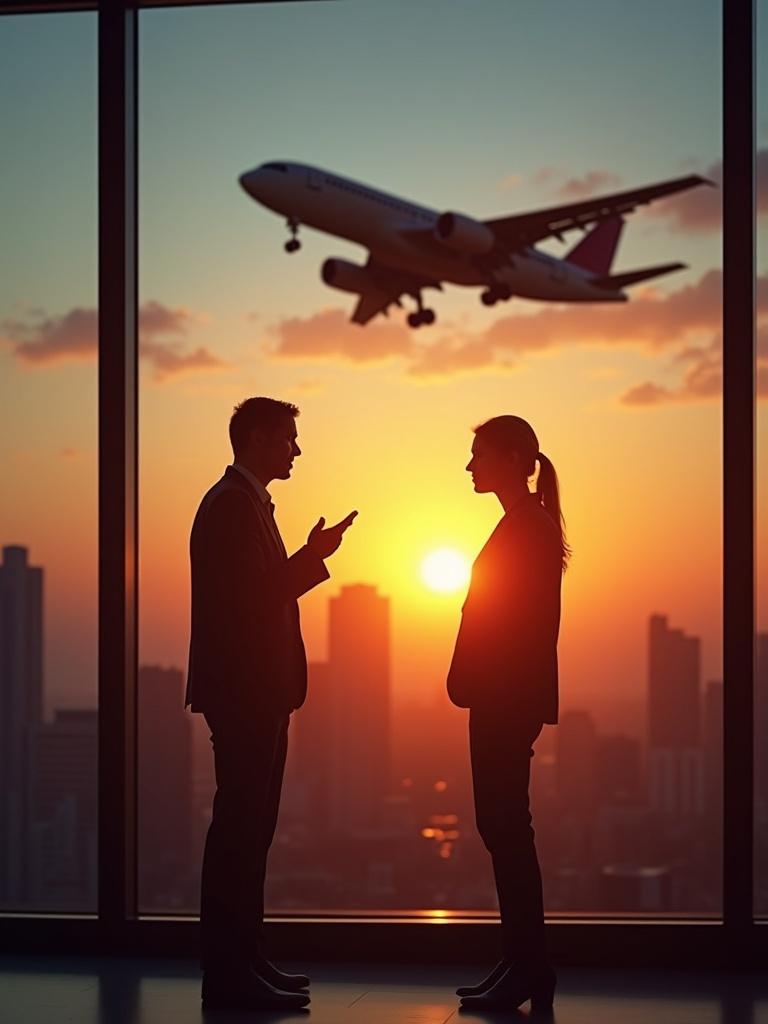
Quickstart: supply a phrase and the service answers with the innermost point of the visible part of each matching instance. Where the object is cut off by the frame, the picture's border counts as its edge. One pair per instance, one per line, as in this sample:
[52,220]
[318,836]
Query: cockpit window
[276,167]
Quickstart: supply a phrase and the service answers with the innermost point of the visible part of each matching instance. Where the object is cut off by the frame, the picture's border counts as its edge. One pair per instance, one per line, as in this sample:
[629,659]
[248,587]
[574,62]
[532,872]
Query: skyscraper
[359,665]
[21,691]
[62,854]
[312,742]
[576,772]
[675,757]
[674,674]
[167,861]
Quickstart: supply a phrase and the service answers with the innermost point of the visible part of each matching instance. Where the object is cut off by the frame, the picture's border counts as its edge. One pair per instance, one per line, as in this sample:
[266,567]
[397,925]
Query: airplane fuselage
[380,222]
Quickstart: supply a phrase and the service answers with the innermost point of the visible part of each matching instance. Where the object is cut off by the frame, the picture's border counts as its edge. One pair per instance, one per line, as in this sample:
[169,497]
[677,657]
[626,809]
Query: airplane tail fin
[615,282]
[596,250]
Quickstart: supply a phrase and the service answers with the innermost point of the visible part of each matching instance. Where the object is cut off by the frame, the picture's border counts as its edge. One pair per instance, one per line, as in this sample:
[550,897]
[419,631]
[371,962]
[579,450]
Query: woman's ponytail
[548,493]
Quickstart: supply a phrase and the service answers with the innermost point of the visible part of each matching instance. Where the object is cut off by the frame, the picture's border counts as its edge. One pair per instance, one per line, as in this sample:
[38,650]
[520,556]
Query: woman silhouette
[504,669]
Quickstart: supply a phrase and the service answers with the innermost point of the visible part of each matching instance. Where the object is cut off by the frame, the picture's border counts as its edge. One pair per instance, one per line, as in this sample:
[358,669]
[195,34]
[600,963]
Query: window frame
[737,938]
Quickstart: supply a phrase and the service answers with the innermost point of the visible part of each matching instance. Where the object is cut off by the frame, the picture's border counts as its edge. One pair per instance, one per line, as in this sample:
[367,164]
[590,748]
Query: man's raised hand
[325,541]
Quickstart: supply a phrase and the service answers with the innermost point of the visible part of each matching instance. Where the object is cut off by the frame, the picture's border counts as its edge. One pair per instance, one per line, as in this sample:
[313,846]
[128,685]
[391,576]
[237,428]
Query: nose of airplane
[249,181]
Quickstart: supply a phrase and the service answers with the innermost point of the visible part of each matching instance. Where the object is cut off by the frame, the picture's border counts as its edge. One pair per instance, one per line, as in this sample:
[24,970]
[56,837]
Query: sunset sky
[488,108]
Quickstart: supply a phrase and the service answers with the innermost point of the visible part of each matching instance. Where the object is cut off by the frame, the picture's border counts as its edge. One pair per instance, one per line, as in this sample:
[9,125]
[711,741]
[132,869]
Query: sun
[445,570]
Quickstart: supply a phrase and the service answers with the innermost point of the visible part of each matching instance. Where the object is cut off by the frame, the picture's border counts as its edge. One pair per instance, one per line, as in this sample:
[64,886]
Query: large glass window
[48,464]
[486,111]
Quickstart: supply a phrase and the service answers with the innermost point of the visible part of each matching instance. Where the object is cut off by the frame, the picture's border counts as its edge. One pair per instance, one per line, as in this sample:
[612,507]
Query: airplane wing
[529,228]
[386,289]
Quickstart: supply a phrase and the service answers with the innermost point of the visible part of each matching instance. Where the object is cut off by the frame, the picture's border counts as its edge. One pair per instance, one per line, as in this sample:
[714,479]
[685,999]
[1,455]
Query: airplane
[411,247]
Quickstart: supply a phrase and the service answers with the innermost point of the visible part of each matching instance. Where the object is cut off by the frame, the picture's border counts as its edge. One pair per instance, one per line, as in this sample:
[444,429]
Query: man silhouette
[247,673]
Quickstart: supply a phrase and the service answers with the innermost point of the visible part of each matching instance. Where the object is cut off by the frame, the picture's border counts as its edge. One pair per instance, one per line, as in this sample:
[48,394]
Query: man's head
[263,435]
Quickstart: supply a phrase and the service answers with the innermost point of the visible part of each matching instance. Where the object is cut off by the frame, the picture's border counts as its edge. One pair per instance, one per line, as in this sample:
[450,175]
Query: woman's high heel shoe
[482,986]
[515,987]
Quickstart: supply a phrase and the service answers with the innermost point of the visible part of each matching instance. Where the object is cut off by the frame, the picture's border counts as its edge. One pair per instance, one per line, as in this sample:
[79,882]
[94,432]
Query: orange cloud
[570,188]
[45,340]
[70,454]
[168,361]
[329,334]
[686,323]
[652,318]
[700,209]
[589,184]
[703,379]
[54,339]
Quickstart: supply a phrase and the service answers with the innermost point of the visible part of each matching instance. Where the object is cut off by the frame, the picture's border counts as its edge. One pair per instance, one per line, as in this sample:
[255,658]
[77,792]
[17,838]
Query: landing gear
[293,245]
[421,317]
[496,293]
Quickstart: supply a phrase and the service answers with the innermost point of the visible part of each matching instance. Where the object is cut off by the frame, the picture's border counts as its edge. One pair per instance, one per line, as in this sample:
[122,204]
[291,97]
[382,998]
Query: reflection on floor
[131,991]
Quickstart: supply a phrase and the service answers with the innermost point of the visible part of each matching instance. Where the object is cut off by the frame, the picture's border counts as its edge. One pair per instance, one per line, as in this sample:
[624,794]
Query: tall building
[360,677]
[675,756]
[21,691]
[576,772]
[62,853]
[712,742]
[167,860]
[674,674]
[618,770]
[311,748]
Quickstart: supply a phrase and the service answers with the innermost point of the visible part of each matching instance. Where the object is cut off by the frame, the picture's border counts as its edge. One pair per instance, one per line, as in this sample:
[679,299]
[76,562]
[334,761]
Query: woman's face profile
[489,467]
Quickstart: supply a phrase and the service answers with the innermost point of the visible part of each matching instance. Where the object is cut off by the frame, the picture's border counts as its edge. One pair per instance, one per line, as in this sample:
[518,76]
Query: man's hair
[265,414]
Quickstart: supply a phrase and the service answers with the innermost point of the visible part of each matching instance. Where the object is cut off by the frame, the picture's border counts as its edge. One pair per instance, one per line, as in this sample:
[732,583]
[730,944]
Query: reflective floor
[133,991]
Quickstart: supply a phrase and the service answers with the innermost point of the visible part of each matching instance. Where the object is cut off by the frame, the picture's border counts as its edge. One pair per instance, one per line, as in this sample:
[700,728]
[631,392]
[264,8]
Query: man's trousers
[249,757]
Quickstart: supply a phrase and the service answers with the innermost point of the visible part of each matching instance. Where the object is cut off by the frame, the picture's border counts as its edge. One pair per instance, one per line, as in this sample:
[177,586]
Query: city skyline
[377,810]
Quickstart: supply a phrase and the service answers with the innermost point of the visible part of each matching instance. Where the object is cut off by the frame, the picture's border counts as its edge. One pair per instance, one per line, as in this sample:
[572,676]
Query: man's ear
[257,437]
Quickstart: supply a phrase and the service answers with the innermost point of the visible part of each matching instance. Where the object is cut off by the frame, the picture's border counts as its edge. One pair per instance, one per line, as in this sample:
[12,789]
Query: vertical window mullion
[117,25]
[738,464]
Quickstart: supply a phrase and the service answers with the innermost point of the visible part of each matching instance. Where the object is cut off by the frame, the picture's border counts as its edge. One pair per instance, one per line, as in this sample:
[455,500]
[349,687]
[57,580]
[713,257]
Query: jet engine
[464,234]
[346,276]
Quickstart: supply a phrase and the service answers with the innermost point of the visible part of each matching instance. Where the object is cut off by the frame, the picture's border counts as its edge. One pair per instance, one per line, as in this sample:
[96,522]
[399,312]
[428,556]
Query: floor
[134,991]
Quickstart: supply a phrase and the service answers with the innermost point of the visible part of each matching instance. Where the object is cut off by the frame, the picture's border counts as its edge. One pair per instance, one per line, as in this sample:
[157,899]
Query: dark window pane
[377,810]
[48,464]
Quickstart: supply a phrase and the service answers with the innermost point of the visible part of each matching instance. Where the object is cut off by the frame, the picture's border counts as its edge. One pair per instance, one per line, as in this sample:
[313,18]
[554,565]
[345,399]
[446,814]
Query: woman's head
[504,452]
[505,449]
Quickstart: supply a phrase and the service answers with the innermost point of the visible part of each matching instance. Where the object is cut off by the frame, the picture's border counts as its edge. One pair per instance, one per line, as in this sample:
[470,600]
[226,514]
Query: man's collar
[254,481]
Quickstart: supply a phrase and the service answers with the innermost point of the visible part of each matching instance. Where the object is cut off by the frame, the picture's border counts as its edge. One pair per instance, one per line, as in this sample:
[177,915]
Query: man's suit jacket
[246,651]
[505,658]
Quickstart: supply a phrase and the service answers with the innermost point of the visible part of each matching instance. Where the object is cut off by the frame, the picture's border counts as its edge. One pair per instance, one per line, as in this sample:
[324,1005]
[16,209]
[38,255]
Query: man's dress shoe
[244,990]
[486,983]
[277,978]
[515,987]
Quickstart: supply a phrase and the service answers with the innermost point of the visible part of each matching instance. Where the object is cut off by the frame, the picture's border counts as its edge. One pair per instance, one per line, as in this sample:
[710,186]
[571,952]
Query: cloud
[43,340]
[568,188]
[655,319]
[329,334]
[53,339]
[168,361]
[703,377]
[685,325]
[699,210]
[589,184]
[511,181]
